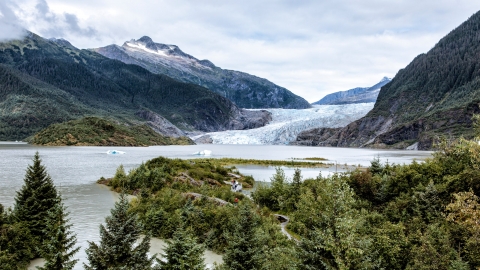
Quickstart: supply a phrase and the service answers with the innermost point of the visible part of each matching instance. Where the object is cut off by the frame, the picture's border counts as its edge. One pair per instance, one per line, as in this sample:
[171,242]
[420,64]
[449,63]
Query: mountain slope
[245,90]
[46,81]
[355,95]
[435,95]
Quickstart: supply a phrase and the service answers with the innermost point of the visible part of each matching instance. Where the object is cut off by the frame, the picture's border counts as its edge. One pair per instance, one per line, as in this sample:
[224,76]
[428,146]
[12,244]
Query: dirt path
[283,224]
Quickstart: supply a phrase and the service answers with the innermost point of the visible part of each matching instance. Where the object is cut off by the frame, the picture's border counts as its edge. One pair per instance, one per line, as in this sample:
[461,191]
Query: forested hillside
[46,81]
[435,95]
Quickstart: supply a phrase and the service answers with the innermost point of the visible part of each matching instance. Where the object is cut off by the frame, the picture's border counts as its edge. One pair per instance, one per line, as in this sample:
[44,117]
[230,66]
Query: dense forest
[417,216]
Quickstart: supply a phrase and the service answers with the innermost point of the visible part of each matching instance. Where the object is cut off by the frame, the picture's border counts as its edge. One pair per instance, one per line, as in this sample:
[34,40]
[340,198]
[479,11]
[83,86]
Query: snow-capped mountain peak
[245,90]
[146,45]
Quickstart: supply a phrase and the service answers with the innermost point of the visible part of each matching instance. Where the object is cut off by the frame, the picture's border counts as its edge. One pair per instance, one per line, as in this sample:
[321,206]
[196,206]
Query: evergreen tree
[244,251]
[279,188]
[16,244]
[332,223]
[183,252]
[118,237]
[58,247]
[295,189]
[36,197]
[376,166]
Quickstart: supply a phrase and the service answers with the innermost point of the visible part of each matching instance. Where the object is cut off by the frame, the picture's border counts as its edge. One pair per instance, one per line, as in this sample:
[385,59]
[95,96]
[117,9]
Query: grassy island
[94,131]
[276,163]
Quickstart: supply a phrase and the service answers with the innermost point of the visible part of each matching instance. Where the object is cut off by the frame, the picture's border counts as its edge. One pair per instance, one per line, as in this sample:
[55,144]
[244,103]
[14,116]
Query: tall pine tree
[244,251]
[36,197]
[117,249]
[58,248]
[183,252]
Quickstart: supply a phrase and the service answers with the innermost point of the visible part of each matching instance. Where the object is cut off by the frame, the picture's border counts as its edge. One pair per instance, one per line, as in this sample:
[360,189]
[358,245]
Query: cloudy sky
[311,47]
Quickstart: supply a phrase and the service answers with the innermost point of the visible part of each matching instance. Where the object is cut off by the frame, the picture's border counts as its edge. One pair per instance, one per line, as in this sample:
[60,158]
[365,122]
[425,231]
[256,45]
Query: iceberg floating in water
[115,152]
[203,153]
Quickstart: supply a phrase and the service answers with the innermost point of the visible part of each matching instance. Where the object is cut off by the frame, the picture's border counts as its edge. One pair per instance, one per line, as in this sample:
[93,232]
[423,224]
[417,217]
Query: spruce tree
[376,166]
[295,191]
[244,251]
[36,197]
[58,247]
[117,249]
[183,252]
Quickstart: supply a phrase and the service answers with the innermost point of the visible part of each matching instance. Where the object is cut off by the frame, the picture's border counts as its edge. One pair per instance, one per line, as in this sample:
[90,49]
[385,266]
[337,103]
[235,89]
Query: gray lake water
[75,171]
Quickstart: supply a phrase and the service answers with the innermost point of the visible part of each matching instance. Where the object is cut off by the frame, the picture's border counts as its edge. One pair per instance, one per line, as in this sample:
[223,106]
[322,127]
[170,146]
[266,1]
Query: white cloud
[310,47]
[9,24]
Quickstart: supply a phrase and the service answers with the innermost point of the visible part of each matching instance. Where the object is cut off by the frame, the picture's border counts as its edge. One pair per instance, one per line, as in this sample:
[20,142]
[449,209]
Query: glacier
[286,124]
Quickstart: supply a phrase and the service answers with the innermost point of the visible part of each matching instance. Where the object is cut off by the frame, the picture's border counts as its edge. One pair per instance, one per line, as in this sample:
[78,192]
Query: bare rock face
[160,124]
[316,136]
[380,132]
[205,139]
[247,119]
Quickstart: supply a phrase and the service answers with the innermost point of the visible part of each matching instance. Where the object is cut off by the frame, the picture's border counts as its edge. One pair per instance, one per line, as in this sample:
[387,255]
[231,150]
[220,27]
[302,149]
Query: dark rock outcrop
[247,119]
[160,124]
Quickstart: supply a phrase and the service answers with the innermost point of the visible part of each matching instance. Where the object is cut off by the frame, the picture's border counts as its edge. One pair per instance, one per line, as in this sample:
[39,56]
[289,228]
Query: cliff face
[434,96]
[245,90]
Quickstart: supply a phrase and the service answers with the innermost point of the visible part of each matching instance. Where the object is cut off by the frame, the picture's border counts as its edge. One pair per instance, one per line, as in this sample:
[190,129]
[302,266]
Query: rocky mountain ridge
[245,90]
[355,95]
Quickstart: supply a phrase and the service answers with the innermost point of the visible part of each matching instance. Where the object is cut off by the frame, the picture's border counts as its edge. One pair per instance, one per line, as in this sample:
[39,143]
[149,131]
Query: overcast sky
[311,47]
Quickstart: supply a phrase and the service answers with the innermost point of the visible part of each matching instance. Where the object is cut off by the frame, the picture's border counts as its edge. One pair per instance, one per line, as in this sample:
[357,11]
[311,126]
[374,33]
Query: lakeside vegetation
[94,131]
[261,162]
[416,216]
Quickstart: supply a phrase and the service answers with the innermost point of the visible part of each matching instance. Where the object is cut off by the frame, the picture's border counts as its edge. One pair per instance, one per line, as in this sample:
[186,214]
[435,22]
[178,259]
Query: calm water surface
[75,170]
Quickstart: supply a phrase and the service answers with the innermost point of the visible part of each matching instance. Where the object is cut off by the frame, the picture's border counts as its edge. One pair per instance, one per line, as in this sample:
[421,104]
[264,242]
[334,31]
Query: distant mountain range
[245,90]
[355,95]
[435,96]
[50,81]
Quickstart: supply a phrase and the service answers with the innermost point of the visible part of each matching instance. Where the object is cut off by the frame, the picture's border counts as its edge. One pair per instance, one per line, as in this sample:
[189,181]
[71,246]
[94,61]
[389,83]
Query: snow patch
[144,48]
